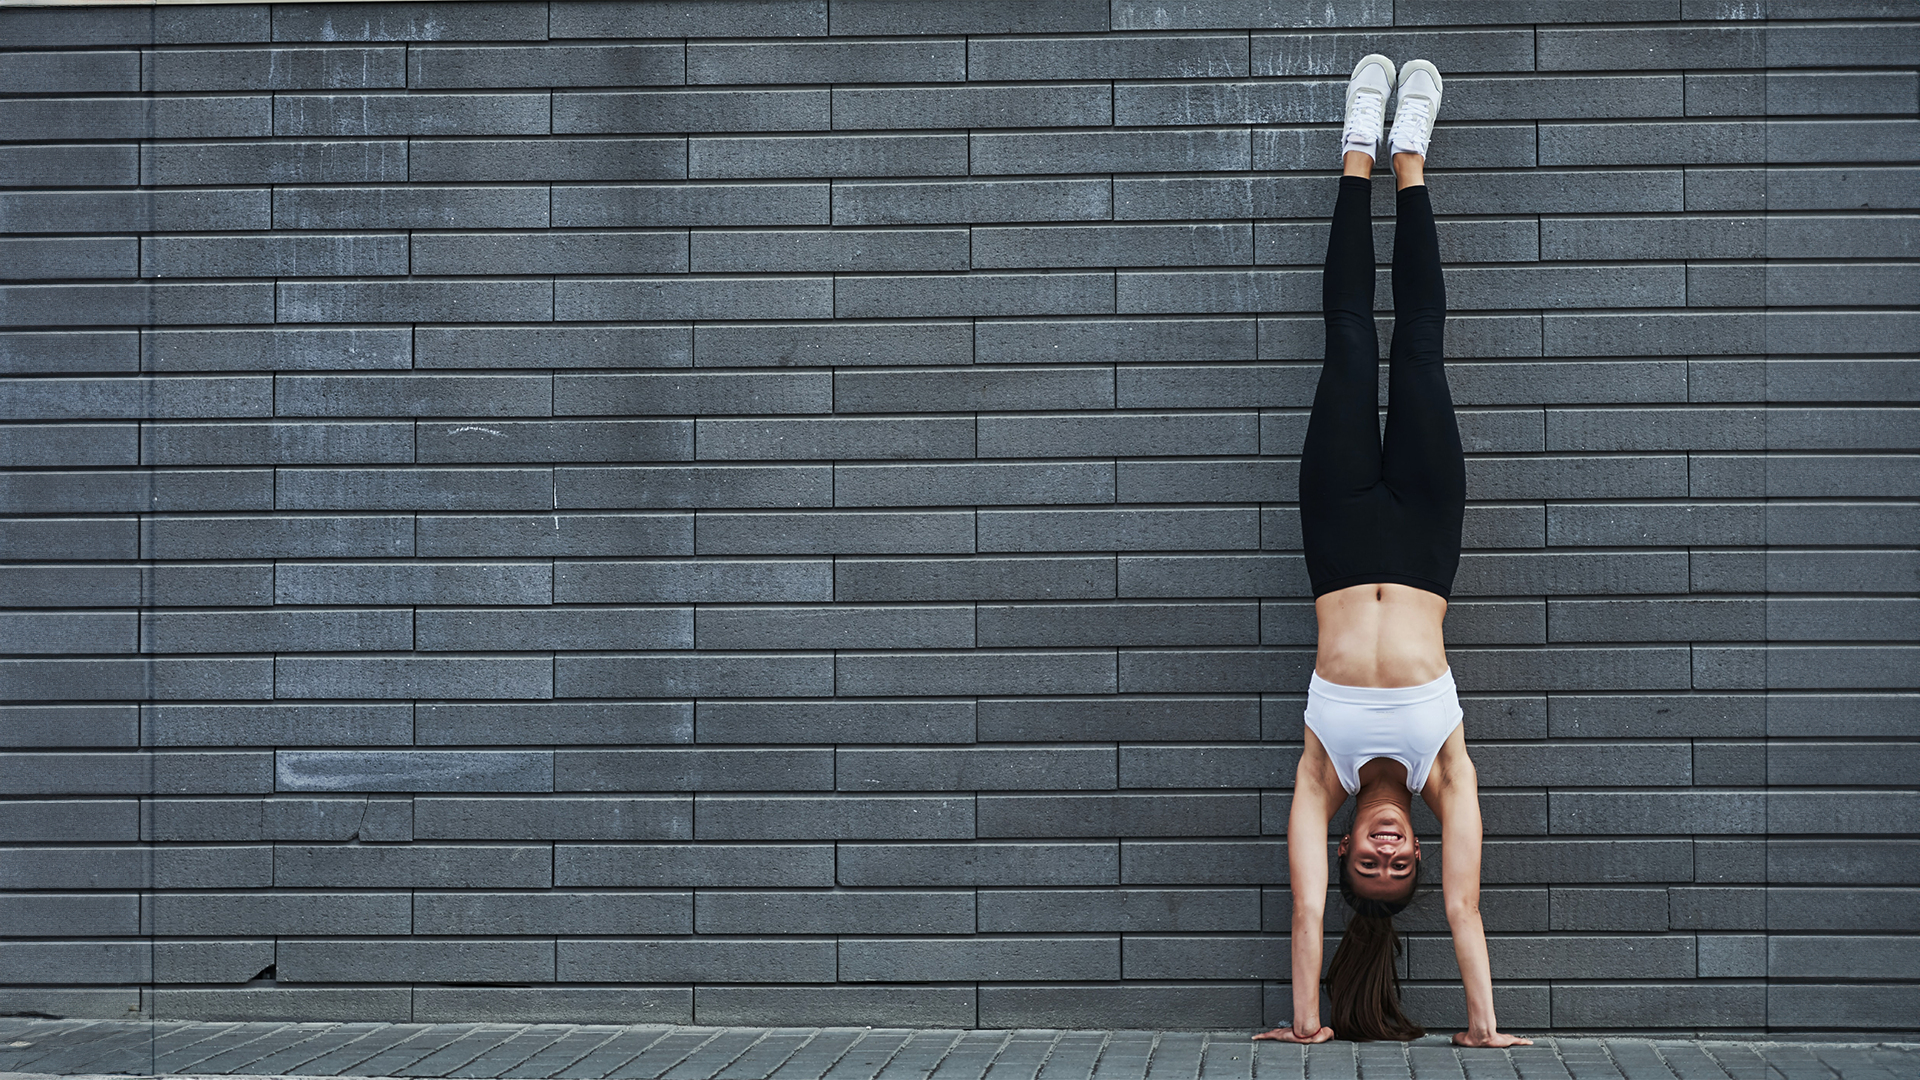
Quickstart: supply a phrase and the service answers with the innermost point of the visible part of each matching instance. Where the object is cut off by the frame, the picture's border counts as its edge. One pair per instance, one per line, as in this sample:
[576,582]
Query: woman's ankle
[1355,163]
[1409,170]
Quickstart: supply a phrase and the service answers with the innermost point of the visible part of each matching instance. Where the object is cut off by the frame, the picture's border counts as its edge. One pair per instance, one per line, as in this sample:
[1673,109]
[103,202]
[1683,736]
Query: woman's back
[1380,635]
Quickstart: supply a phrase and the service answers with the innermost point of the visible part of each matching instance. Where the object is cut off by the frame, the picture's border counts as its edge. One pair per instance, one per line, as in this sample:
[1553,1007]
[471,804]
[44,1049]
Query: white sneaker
[1367,94]
[1417,105]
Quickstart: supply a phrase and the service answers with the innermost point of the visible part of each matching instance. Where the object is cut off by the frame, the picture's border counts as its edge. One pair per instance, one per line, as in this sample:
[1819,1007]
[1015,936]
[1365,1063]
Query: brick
[170,679]
[276,631]
[987,768]
[59,961]
[896,960]
[1616,524]
[410,959]
[556,440]
[407,676]
[378,1005]
[569,629]
[164,585]
[178,70]
[911,1006]
[689,18]
[413,582]
[409,114]
[1658,620]
[1212,576]
[128,492]
[983,484]
[1654,238]
[721,961]
[1192,150]
[765,62]
[692,770]
[645,111]
[492,66]
[1134,1005]
[1205,766]
[1630,813]
[68,444]
[276,350]
[706,393]
[1118,815]
[429,866]
[829,155]
[70,725]
[1796,94]
[784,866]
[840,817]
[1165,56]
[692,298]
[289,536]
[1190,103]
[1324,53]
[836,912]
[695,581]
[985,294]
[1650,716]
[413,770]
[838,437]
[1063,672]
[410,22]
[975,864]
[1623,861]
[544,724]
[1702,47]
[79,914]
[556,1005]
[918,720]
[700,675]
[63,819]
[1032,105]
[838,344]
[1821,909]
[87,398]
[1191,863]
[71,72]
[553,818]
[1215,480]
[527,346]
[840,250]
[136,118]
[135,305]
[1835,45]
[972,579]
[71,257]
[1127,910]
[548,159]
[1116,435]
[1117,624]
[839,626]
[912,202]
[1846,1007]
[99,351]
[43,166]
[278,161]
[413,395]
[413,300]
[572,253]
[1187,14]
[1110,245]
[414,489]
[671,487]
[554,913]
[1212,528]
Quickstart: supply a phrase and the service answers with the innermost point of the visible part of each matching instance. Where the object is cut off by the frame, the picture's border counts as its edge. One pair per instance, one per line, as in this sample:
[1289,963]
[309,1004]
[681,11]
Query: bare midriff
[1380,635]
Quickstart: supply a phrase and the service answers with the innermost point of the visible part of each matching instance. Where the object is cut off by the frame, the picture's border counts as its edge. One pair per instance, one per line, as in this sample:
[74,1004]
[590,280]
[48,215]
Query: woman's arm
[1457,805]
[1313,807]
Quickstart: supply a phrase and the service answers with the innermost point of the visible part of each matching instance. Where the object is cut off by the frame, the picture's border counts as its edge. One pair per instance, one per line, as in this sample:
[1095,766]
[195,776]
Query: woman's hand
[1489,1038]
[1286,1034]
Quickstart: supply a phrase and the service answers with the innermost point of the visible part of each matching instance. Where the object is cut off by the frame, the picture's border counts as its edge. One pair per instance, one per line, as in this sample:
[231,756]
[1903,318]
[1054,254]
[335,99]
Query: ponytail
[1363,983]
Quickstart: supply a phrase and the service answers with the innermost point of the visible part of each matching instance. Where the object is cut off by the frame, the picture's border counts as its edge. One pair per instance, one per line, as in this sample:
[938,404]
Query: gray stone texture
[742,512]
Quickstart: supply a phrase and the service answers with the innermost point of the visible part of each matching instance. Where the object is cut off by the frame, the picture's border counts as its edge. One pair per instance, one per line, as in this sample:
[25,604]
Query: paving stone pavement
[38,1048]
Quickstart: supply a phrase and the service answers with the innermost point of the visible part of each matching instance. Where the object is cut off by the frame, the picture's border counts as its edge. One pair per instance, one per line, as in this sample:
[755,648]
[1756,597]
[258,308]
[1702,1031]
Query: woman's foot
[1416,105]
[1367,94]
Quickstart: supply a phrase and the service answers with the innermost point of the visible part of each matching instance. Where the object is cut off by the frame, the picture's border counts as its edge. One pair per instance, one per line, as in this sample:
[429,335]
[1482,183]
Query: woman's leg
[1422,461]
[1341,456]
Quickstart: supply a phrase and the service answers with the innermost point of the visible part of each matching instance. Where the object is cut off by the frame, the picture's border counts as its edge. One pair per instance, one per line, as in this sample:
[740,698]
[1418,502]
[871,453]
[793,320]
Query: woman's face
[1381,852]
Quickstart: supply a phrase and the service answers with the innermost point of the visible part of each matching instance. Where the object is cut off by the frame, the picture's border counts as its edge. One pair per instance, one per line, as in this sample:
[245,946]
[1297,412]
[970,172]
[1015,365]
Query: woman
[1382,534]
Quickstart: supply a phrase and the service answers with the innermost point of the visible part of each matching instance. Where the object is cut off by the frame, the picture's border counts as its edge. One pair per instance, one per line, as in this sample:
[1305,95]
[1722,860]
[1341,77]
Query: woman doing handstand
[1381,523]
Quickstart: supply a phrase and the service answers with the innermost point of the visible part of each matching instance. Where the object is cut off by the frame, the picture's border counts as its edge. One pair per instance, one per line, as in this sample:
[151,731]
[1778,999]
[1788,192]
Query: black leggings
[1371,513]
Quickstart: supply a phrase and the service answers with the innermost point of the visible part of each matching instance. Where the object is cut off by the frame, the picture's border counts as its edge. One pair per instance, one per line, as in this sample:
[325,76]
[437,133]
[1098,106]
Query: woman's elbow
[1466,908]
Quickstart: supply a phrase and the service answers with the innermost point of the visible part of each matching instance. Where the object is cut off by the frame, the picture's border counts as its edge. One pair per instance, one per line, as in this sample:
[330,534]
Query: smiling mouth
[1386,834]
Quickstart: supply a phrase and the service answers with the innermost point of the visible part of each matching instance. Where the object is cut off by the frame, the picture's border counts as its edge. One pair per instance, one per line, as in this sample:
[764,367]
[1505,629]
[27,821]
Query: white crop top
[1406,723]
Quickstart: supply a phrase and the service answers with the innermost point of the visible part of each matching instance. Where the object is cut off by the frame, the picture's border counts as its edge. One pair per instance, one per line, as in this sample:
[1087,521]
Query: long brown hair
[1363,984]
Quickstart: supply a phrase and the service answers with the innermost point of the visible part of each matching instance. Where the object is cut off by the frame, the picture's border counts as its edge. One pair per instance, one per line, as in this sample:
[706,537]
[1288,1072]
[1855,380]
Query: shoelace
[1365,118]
[1410,123]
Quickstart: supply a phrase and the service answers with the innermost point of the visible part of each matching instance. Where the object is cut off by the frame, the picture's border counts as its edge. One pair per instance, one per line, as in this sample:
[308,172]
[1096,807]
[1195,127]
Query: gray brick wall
[781,511]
